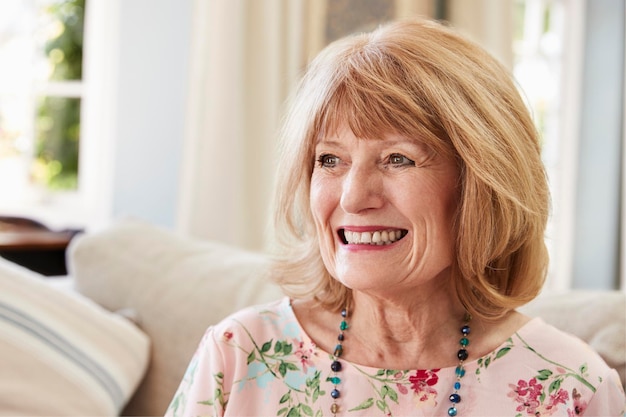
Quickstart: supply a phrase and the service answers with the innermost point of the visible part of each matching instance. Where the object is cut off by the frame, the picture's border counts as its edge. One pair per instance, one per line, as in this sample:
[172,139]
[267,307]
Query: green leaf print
[306,409]
[294,412]
[555,385]
[583,369]
[502,352]
[484,362]
[267,346]
[382,406]
[544,374]
[364,405]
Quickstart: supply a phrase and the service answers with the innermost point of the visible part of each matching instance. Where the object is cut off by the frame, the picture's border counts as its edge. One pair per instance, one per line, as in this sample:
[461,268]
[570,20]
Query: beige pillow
[177,286]
[62,354]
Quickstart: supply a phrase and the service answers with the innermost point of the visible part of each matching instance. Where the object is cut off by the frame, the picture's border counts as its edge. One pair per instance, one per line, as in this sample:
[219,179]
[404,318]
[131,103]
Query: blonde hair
[420,79]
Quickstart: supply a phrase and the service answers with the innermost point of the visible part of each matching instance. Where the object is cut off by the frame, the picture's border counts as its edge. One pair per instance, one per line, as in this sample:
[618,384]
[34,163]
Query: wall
[597,230]
[136,69]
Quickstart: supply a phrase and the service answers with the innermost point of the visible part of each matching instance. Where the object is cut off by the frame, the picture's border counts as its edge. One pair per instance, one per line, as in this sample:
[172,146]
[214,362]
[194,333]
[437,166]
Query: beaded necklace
[336,366]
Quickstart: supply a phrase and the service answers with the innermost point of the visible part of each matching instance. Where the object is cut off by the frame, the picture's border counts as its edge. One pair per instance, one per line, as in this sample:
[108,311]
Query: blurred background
[168,110]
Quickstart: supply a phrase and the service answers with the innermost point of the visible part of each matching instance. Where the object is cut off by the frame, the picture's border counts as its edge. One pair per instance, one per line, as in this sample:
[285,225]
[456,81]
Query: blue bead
[452,411]
[457,385]
[455,398]
[460,372]
[465,330]
[335,366]
[335,393]
[344,312]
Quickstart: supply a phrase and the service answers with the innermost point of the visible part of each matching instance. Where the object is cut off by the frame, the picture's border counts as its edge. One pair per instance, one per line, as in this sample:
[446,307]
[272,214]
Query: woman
[411,210]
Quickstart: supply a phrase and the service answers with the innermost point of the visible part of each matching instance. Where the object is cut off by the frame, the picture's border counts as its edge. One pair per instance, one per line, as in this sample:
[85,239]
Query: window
[41,90]
[538,55]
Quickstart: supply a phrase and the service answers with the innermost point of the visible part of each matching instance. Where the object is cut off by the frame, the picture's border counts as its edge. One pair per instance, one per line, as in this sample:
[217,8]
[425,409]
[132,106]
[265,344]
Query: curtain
[245,57]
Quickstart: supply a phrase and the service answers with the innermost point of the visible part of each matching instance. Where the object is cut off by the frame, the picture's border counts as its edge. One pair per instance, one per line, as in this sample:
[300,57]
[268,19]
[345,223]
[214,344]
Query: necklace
[336,366]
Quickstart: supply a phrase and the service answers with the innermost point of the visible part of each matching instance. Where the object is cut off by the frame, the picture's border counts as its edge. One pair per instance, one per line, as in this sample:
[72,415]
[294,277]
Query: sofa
[114,336]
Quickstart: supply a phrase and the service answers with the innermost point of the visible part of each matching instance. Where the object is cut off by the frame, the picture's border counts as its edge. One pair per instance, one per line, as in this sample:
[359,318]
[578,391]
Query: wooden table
[34,246]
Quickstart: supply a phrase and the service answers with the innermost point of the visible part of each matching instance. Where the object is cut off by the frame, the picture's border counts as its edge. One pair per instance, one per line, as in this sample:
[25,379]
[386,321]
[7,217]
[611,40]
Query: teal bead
[334,379]
[460,371]
[452,411]
[464,341]
[343,325]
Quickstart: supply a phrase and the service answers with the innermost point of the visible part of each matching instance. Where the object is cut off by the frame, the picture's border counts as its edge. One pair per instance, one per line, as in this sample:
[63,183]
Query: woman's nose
[362,190]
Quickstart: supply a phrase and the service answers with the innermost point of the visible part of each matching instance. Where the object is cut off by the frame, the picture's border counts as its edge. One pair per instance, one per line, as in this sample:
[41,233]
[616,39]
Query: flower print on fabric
[261,362]
[423,385]
[533,400]
[580,405]
[306,354]
[542,394]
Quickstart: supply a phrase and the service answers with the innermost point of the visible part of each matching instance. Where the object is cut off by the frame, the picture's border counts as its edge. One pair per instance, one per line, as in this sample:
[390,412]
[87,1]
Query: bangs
[374,96]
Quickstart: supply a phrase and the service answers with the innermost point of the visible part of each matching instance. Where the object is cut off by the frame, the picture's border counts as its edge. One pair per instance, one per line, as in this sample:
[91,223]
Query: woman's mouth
[377,238]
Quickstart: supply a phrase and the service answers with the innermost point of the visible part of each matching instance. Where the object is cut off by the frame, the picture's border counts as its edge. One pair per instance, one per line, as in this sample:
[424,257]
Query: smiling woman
[415,139]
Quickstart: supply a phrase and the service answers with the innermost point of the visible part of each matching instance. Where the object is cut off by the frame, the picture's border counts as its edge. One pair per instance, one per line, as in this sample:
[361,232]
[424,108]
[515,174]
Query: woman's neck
[412,333]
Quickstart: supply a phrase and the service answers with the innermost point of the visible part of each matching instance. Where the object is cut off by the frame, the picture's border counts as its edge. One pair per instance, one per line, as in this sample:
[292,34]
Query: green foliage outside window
[58,118]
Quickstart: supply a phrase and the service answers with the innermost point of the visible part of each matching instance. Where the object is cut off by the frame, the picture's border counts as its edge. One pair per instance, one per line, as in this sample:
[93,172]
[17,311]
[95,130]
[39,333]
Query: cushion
[176,285]
[62,354]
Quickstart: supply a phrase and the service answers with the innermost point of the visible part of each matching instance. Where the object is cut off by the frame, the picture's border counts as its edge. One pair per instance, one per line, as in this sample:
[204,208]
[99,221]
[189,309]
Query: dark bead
[340,337]
[344,312]
[465,330]
[335,393]
[455,398]
[462,354]
[335,366]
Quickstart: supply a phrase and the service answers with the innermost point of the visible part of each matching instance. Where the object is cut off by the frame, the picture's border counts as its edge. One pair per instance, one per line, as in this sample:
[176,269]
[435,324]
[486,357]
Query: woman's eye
[327,161]
[397,159]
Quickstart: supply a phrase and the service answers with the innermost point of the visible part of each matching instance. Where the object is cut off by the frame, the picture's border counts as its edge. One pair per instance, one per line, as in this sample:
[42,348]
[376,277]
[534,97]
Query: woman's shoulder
[538,336]
[548,353]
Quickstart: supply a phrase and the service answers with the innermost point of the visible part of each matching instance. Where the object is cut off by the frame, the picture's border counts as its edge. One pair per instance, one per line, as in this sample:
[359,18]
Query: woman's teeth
[383,237]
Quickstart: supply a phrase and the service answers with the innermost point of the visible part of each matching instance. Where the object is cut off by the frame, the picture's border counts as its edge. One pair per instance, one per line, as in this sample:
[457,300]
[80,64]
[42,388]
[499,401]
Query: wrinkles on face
[383,211]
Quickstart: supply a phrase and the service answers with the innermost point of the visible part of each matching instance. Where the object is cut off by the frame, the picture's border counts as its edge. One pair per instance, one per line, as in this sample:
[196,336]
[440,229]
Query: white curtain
[488,22]
[245,57]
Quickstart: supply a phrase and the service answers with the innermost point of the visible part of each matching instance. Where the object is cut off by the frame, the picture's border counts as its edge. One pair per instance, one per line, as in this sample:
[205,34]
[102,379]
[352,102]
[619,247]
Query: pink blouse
[260,362]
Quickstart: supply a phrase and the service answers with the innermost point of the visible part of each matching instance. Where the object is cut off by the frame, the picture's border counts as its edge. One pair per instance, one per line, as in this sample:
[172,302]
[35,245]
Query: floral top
[260,362]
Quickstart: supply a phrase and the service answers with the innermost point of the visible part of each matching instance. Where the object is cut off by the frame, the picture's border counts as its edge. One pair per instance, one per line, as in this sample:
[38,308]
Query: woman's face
[384,211]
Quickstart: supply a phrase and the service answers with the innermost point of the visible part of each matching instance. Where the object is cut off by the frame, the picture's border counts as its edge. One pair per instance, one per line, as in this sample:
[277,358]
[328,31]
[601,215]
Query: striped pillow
[62,354]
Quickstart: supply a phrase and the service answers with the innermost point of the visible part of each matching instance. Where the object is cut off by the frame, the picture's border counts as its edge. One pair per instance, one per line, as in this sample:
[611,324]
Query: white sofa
[116,336]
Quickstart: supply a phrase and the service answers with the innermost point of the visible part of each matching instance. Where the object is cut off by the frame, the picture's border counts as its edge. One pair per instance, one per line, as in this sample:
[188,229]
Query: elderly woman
[411,210]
